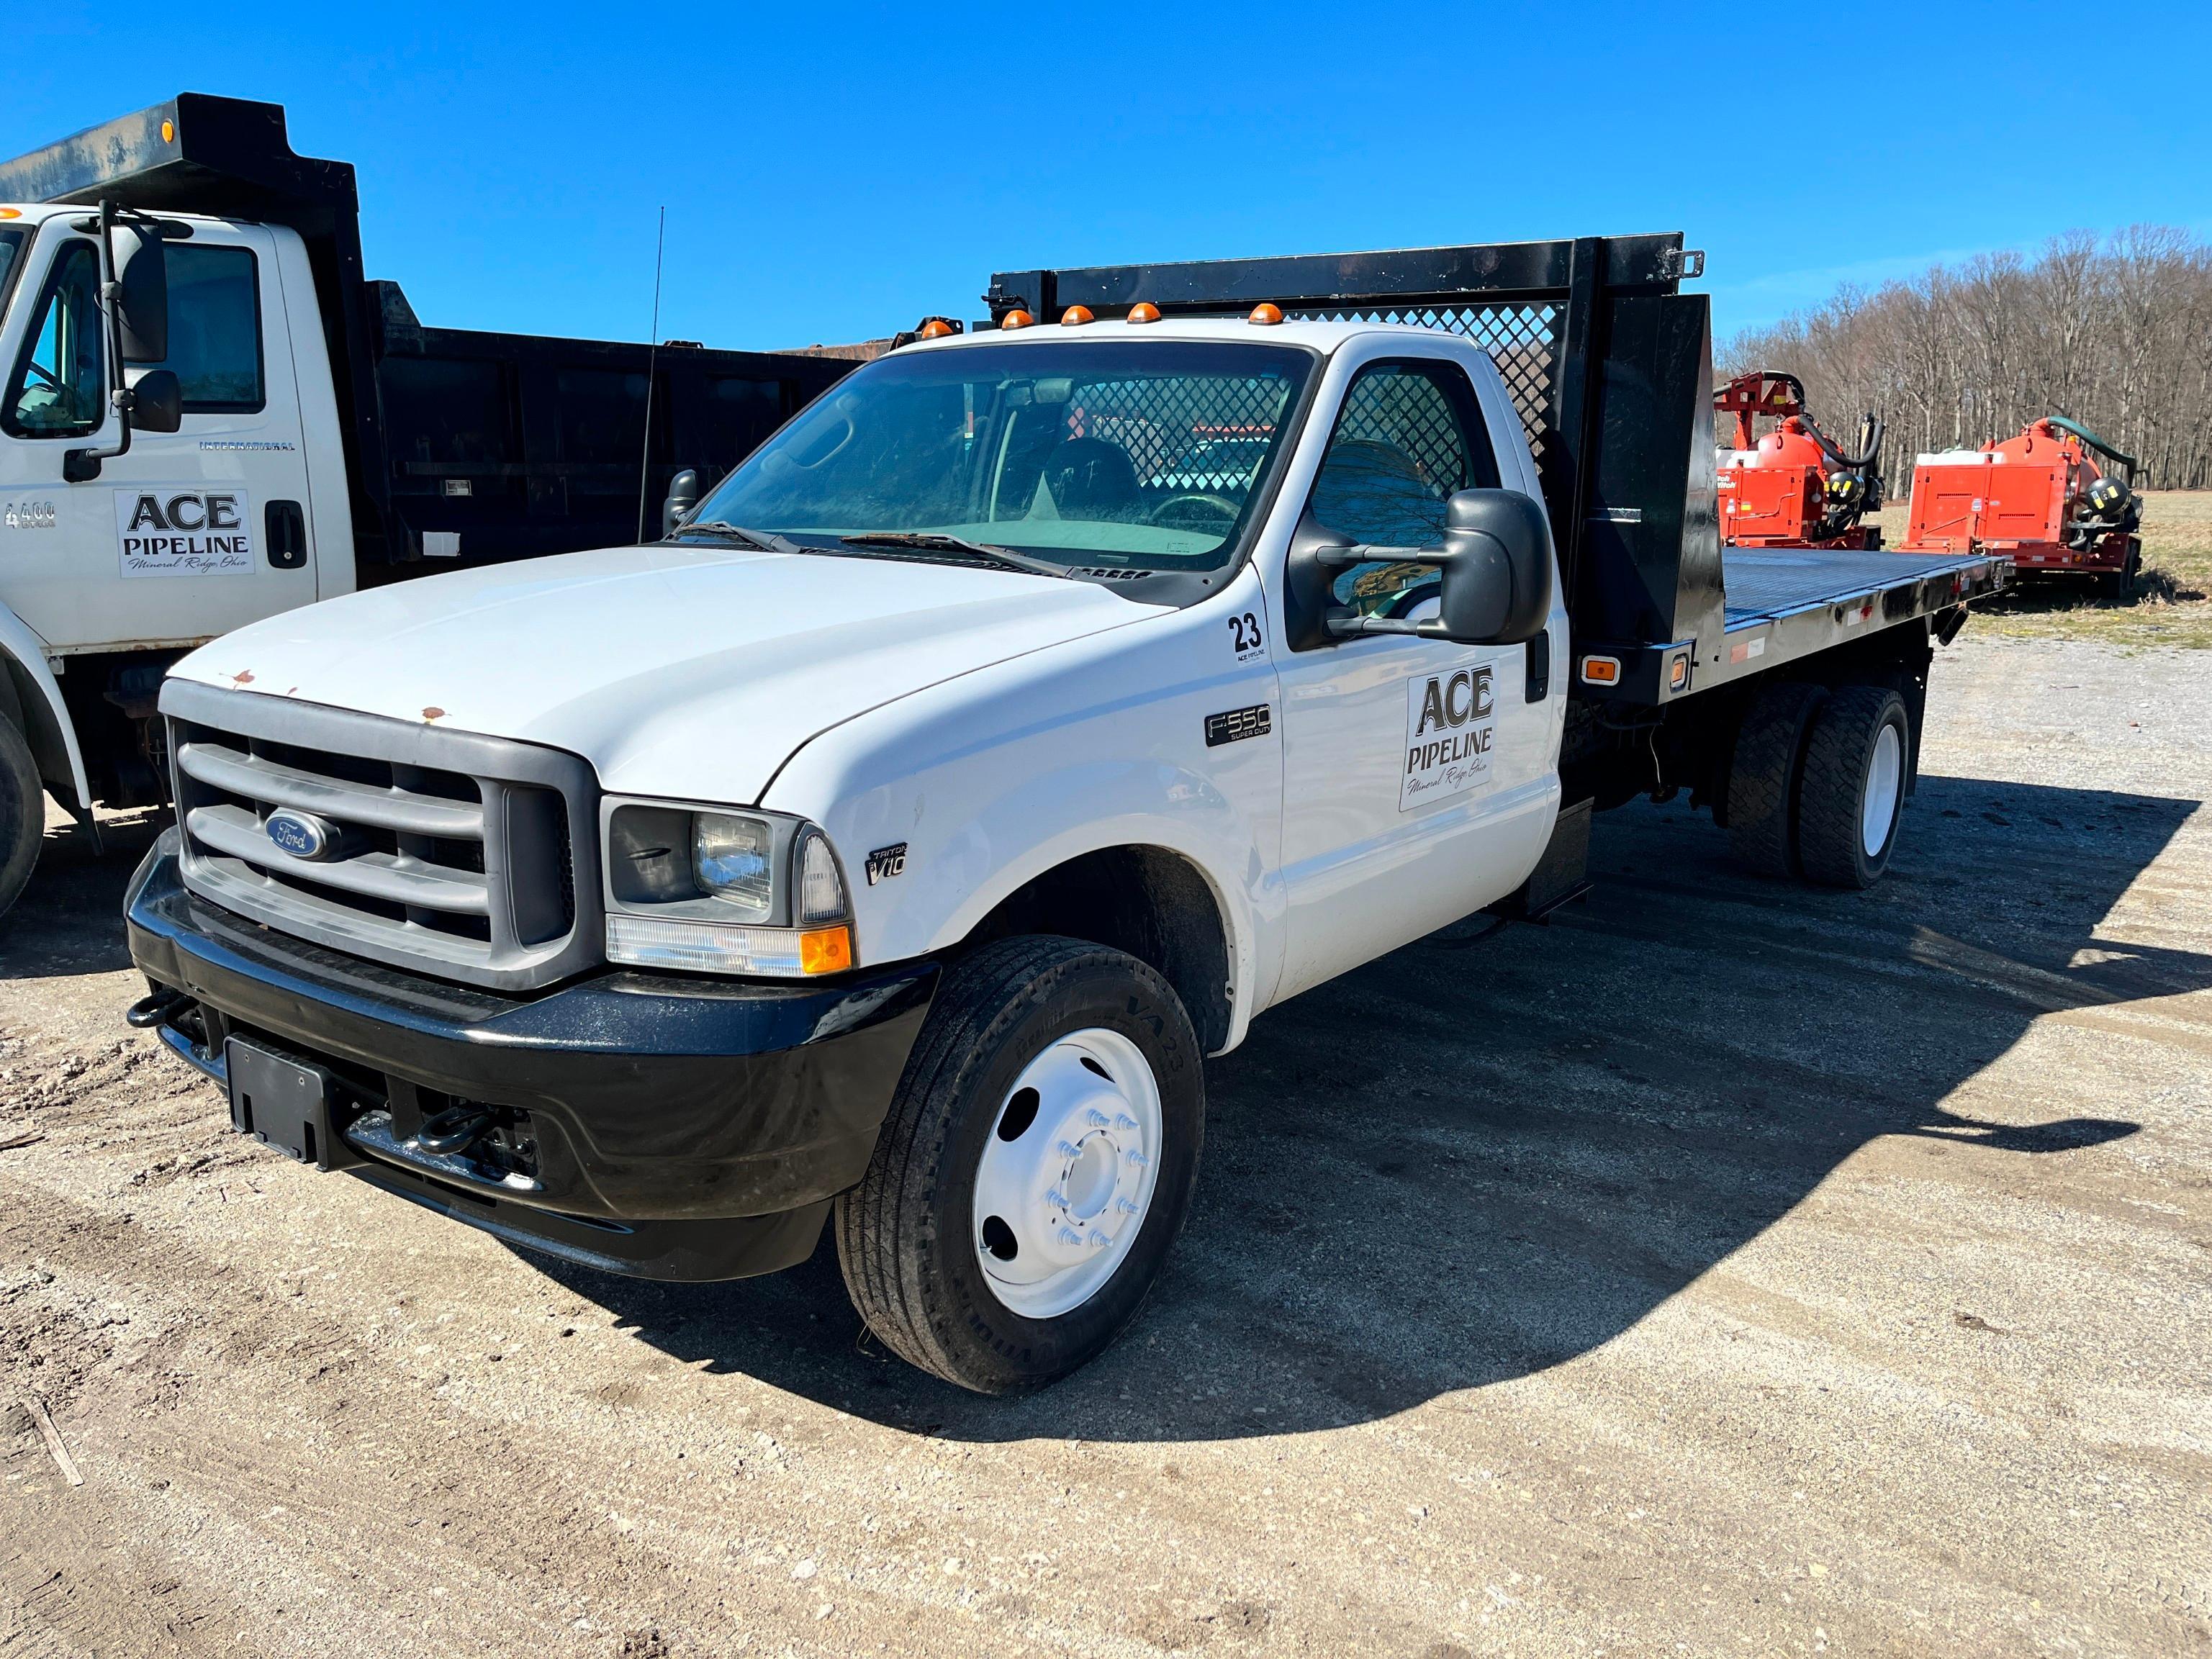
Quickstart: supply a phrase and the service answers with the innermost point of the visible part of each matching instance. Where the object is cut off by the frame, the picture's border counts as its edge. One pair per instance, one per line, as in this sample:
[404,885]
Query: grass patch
[2173,604]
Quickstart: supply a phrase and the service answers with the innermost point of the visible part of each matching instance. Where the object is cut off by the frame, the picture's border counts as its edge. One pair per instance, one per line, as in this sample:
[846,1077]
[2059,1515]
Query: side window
[1409,437]
[58,389]
[215,328]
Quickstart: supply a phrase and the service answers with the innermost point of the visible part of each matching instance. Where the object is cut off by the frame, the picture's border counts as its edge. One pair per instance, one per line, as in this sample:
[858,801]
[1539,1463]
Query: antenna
[652,365]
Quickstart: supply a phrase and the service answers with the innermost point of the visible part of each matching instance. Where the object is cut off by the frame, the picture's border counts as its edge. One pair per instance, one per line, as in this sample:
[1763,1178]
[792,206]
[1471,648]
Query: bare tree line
[2117,335]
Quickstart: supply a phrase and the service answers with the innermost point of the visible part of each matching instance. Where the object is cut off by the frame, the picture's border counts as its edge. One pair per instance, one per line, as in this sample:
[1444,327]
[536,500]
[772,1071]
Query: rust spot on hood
[243,677]
[433,713]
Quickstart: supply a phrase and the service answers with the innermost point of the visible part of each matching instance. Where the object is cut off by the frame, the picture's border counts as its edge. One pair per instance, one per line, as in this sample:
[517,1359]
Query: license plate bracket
[284,1104]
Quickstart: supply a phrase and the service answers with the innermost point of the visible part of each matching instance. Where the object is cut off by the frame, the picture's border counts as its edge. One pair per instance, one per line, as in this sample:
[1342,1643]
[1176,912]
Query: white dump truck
[893,841]
[208,416]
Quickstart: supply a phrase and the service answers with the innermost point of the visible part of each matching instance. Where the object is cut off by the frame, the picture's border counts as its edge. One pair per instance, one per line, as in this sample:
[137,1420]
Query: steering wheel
[1195,509]
[52,380]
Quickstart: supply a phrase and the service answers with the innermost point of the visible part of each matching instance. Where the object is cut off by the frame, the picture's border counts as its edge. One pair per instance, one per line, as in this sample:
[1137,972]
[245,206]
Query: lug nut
[1057,1199]
[1097,1118]
[1125,1205]
[1067,1149]
[1098,1240]
[1123,1120]
[1069,1236]
[1137,1158]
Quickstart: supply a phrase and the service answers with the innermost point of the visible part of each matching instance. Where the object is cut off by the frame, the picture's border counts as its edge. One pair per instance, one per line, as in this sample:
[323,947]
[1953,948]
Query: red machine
[2040,500]
[1794,486]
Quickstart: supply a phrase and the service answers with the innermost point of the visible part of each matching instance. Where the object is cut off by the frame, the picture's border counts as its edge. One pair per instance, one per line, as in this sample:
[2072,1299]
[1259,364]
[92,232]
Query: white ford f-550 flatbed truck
[894,840]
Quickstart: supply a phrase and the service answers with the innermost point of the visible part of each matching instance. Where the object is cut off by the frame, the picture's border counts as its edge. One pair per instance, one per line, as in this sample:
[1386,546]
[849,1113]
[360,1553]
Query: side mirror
[1496,565]
[1494,576]
[157,402]
[683,497]
[142,271]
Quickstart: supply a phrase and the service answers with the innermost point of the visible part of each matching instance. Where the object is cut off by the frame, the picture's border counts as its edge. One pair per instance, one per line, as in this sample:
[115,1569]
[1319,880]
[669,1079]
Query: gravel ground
[1726,1268]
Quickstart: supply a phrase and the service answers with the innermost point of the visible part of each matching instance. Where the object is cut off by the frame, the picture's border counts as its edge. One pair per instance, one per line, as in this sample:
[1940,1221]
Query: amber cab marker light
[1075,316]
[169,132]
[1265,314]
[1144,312]
[10,213]
[1016,319]
[935,329]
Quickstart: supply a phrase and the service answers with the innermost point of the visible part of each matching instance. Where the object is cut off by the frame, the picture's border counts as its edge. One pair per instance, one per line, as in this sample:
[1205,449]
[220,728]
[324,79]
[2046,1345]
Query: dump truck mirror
[683,496]
[1496,569]
[157,402]
[142,271]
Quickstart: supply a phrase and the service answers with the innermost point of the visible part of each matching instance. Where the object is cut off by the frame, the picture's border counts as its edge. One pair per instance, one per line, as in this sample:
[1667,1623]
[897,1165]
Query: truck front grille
[445,852]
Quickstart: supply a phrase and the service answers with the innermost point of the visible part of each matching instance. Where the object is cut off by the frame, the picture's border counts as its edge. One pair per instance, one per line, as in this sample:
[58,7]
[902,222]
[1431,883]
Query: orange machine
[1794,486]
[2040,500]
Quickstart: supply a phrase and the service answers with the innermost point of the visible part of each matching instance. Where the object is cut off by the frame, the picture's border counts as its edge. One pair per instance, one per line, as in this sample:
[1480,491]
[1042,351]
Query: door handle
[1538,666]
[286,525]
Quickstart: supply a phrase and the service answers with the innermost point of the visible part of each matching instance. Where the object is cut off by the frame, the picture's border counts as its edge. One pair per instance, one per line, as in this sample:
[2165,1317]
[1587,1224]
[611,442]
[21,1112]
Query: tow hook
[155,1010]
[453,1130]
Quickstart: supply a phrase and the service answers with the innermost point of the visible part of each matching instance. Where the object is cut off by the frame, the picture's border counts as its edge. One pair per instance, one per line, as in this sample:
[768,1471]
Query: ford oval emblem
[302,834]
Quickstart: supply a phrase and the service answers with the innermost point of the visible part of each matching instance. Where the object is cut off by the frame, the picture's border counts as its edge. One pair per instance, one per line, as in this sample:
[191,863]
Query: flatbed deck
[1783,604]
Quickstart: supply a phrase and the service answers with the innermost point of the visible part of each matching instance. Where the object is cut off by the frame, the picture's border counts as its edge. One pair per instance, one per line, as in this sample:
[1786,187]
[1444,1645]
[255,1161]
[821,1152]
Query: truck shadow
[46,934]
[1480,1157]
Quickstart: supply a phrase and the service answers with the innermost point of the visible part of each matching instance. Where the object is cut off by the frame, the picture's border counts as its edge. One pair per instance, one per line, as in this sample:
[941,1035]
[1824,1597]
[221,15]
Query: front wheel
[23,813]
[1037,1166]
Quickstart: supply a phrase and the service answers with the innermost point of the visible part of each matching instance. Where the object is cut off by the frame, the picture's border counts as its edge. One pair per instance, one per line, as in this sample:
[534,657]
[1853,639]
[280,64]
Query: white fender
[28,652]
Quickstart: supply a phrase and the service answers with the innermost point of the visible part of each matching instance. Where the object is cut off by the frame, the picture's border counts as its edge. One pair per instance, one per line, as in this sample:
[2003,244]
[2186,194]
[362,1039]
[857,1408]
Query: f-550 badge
[1235,724]
[1449,732]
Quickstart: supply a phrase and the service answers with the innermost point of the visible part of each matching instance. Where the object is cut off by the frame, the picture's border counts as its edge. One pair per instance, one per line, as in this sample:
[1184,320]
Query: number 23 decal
[1245,635]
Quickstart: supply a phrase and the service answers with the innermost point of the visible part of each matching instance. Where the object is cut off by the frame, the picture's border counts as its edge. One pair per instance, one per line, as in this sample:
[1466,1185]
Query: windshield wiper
[765,541]
[929,541]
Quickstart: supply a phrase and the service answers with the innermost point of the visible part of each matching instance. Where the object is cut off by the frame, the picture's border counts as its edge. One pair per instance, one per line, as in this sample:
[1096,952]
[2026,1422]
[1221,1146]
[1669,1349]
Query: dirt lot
[1724,1269]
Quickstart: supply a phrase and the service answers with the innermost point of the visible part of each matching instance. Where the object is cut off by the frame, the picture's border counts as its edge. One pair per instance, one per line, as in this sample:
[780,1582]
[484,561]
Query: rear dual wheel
[1037,1166]
[1817,785]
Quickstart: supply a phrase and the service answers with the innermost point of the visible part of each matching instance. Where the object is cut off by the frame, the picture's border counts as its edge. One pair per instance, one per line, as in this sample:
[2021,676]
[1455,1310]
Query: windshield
[1143,454]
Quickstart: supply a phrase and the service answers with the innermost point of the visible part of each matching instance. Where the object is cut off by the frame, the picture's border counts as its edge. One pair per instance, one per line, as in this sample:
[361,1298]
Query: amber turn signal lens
[935,329]
[1075,316]
[1144,312]
[1265,314]
[1600,671]
[1016,319]
[825,949]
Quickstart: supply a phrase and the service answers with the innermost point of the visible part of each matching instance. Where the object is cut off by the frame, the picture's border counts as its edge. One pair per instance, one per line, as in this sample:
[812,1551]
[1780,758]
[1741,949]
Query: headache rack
[1610,365]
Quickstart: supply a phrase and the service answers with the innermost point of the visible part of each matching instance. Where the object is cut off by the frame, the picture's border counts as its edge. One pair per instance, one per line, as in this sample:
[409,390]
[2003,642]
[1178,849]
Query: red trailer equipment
[2039,500]
[1794,486]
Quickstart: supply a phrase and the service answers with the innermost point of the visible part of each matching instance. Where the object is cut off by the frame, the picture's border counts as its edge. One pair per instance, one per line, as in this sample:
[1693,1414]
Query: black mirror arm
[82,465]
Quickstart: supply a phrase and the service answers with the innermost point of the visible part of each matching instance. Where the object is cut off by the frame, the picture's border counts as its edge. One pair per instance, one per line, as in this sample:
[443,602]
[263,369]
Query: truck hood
[682,672]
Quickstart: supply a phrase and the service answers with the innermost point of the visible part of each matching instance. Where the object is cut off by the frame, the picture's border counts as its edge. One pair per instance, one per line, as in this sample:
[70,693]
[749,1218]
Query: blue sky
[832,173]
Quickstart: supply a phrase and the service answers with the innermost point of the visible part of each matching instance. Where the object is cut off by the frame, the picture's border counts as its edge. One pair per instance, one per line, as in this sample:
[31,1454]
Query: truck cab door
[1419,775]
[193,533]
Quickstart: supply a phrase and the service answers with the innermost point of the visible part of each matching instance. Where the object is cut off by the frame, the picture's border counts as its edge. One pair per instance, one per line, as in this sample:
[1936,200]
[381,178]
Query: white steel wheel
[1067,1172]
[1851,786]
[1885,791]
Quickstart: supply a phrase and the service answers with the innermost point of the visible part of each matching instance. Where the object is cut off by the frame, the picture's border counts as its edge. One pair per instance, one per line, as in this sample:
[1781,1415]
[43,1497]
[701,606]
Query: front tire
[23,813]
[1850,800]
[1037,1163]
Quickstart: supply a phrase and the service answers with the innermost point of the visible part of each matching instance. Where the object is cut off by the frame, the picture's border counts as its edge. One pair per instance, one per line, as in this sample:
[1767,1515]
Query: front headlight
[717,892]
